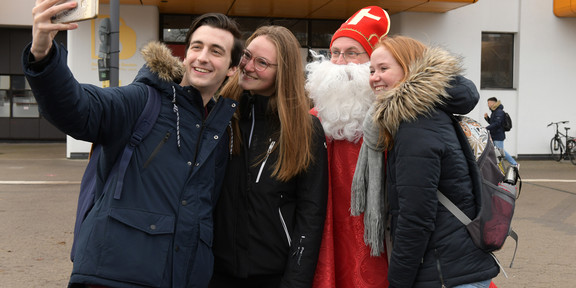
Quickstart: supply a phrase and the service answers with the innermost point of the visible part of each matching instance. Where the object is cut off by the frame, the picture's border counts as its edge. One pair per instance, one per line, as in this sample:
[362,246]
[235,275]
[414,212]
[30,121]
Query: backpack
[507,124]
[495,192]
[88,191]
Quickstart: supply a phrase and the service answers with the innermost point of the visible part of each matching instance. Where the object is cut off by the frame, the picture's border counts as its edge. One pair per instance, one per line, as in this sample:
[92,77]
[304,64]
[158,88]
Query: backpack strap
[143,126]
[453,209]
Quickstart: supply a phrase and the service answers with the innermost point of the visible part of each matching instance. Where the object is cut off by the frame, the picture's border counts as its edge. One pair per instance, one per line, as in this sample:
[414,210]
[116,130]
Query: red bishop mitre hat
[366,26]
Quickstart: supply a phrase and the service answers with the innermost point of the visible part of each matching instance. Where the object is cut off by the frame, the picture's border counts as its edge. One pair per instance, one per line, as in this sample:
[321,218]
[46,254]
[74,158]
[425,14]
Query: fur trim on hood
[496,105]
[423,90]
[160,61]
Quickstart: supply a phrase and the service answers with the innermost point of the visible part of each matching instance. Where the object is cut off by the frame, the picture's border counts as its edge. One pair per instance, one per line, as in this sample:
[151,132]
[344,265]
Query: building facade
[516,50]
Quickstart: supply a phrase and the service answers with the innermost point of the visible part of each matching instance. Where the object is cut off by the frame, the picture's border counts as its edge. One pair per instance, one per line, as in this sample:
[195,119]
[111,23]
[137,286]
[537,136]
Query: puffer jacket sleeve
[310,216]
[418,153]
[85,112]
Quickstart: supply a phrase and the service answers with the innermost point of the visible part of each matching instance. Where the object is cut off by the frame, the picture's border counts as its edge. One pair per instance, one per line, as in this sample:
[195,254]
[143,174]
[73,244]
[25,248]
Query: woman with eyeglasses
[270,214]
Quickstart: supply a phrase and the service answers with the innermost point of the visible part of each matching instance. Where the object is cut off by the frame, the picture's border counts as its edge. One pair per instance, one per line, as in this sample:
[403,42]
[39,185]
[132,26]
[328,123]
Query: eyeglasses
[348,55]
[260,63]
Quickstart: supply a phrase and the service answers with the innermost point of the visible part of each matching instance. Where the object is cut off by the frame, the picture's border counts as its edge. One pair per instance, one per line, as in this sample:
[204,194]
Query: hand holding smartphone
[85,10]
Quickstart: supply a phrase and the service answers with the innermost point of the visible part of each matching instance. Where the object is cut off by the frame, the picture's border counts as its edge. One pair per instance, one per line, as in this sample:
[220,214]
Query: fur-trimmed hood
[497,105]
[160,61]
[422,92]
[162,70]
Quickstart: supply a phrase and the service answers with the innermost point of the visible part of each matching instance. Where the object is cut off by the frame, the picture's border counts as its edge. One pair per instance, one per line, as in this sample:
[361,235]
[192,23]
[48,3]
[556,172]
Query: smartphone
[85,10]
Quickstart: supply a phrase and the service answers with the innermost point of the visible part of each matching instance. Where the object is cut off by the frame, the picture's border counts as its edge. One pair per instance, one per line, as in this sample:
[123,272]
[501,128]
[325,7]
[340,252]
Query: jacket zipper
[202,127]
[231,143]
[438,266]
[265,159]
[157,149]
[284,226]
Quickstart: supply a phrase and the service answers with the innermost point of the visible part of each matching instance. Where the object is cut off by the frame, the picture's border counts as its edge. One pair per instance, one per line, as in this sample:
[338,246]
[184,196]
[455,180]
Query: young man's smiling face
[208,59]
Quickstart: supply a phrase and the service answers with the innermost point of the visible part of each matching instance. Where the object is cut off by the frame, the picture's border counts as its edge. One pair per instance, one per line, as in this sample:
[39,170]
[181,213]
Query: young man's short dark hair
[493,99]
[220,21]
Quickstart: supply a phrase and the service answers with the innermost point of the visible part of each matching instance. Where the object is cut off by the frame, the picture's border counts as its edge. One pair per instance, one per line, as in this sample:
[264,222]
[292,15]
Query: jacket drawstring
[175,109]
[231,137]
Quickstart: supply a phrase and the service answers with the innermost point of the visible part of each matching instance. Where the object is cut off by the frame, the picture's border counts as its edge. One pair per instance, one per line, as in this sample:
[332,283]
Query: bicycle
[562,150]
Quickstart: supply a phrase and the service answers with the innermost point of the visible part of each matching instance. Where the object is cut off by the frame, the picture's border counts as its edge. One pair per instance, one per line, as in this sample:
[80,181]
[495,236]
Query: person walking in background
[410,151]
[341,96]
[157,232]
[496,128]
[270,216]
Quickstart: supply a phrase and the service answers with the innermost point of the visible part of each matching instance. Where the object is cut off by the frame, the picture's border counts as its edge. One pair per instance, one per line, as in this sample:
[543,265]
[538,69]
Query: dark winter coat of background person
[496,120]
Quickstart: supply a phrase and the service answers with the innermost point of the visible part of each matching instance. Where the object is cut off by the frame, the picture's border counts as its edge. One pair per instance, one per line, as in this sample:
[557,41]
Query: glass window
[4,96]
[24,105]
[248,25]
[175,35]
[4,104]
[4,82]
[299,28]
[19,83]
[497,61]
[310,33]
[322,31]
[175,27]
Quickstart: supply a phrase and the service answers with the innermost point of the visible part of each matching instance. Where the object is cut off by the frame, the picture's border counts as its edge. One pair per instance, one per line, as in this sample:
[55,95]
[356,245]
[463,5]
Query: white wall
[16,12]
[138,26]
[547,76]
[545,68]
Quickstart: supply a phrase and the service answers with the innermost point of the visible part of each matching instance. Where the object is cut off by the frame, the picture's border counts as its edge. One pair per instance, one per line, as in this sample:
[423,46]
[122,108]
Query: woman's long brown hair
[290,102]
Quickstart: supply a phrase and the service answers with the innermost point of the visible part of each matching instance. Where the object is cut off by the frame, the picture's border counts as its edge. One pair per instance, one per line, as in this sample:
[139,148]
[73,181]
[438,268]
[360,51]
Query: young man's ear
[231,71]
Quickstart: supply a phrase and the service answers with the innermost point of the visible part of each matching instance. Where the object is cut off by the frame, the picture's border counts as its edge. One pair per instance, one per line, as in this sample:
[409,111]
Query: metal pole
[114,42]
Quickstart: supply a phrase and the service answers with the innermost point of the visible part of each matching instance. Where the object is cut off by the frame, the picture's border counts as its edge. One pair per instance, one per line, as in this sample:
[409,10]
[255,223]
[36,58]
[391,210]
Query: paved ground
[39,189]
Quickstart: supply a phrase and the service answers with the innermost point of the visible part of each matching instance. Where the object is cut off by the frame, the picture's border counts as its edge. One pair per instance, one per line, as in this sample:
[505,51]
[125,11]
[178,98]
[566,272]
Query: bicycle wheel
[556,149]
[572,151]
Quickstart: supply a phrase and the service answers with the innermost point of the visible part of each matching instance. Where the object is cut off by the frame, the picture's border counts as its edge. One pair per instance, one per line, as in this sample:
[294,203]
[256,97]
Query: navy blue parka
[496,121]
[159,233]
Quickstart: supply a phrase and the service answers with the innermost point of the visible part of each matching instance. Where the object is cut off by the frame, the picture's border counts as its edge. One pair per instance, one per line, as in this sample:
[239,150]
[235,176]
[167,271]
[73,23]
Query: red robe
[344,260]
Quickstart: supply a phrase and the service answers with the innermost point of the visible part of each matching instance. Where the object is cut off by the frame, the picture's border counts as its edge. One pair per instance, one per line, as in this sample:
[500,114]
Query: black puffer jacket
[264,226]
[431,248]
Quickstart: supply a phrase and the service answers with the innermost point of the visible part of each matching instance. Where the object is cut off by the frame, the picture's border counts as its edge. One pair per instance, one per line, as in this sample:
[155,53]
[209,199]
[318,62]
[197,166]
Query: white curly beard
[342,96]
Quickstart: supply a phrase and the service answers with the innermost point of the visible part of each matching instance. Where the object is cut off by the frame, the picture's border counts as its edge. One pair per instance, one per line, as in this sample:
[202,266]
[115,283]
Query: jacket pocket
[297,253]
[135,246]
[157,148]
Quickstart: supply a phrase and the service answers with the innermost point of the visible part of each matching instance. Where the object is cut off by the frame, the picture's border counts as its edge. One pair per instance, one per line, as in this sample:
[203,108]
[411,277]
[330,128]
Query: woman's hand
[43,30]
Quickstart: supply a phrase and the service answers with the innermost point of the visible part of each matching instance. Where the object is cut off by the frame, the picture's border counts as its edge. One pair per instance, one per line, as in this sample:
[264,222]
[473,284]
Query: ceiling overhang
[565,8]
[308,9]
